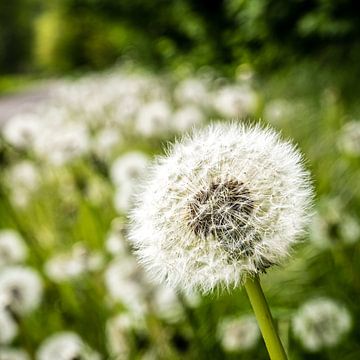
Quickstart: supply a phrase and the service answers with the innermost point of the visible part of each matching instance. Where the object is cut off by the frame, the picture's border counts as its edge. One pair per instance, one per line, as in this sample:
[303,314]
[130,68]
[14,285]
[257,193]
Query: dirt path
[13,104]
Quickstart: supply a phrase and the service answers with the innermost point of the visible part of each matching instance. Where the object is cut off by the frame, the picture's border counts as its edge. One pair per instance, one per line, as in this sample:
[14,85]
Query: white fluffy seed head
[12,248]
[321,323]
[225,203]
[238,334]
[65,345]
[21,289]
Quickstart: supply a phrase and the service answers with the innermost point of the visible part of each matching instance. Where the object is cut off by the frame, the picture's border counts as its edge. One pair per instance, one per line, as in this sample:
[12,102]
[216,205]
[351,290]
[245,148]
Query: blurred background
[90,92]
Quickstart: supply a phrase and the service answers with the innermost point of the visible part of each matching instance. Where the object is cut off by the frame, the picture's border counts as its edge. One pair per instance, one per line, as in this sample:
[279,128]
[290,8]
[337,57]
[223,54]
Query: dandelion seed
[226,203]
[321,323]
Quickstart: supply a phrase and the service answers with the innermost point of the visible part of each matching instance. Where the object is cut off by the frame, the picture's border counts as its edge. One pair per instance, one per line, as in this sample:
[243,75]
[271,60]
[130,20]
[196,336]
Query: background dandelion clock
[222,206]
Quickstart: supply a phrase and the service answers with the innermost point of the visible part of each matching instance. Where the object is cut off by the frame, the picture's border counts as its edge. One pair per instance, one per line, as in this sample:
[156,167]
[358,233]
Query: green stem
[265,320]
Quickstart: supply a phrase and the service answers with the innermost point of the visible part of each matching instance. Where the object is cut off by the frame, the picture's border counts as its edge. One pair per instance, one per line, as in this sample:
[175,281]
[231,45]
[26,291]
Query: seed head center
[221,209]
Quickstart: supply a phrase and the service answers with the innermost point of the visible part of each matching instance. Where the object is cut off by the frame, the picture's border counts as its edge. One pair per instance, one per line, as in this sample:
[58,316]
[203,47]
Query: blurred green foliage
[16,24]
[93,34]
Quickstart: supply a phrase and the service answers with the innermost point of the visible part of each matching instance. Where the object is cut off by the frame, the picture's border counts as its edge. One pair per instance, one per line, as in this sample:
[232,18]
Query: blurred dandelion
[65,346]
[8,326]
[125,283]
[20,289]
[68,266]
[12,248]
[238,333]
[23,180]
[349,138]
[321,323]
[120,330]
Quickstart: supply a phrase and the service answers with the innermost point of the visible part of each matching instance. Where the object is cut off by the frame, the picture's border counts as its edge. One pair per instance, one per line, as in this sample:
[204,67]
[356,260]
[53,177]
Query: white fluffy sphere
[321,323]
[225,203]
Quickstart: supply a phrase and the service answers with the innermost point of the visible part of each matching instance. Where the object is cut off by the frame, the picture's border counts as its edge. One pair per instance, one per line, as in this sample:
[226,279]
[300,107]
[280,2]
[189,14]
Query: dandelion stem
[265,320]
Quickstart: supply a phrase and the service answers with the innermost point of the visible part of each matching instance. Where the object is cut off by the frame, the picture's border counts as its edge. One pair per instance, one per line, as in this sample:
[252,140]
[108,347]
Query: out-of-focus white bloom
[63,267]
[166,304]
[71,265]
[123,197]
[192,91]
[7,353]
[8,327]
[119,330]
[128,168]
[225,203]
[65,346]
[238,334]
[116,241]
[192,299]
[349,138]
[20,289]
[154,119]
[235,101]
[22,179]
[125,174]
[187,117]
[321,323]
[319,234]
[106,140]
[125,283]
[98,190]
[62,142]
[21,130]
[331,225]
[350,229]
[24,175]
[12,247]
[278,110]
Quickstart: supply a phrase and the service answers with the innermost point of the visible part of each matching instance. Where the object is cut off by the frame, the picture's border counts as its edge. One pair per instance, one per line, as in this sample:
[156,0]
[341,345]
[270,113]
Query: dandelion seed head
[224,204]
[65,345]
[349,138]
[124,282]
[8,326]
[238,333]
[20,289]
[12,247]
[321,323]
[119,332]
